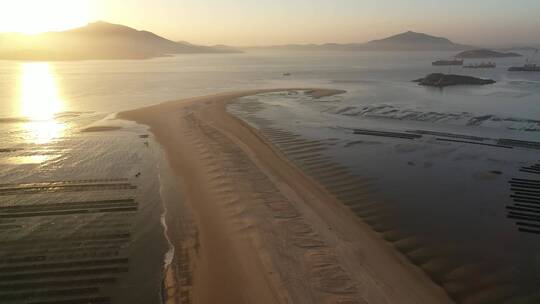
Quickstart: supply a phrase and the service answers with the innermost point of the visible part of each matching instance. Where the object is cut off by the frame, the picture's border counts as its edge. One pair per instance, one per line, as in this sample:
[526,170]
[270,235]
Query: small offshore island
[485,53]
[444,80]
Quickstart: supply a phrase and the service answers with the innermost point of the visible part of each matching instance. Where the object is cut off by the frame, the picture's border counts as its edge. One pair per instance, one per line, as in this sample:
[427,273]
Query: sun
[37,16]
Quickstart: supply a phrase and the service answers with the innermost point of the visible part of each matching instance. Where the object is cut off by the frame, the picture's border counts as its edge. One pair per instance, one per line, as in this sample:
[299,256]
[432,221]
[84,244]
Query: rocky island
[484,53]
[444,80]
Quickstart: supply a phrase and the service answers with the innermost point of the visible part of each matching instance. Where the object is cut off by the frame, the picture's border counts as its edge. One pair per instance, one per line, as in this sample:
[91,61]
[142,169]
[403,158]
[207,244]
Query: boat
[529,66]
[448,62]
[482,65]
[286,74]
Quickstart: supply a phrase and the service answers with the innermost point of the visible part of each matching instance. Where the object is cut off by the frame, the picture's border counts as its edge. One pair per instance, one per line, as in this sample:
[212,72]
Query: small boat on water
[482,65]
[448,62]
[529,66]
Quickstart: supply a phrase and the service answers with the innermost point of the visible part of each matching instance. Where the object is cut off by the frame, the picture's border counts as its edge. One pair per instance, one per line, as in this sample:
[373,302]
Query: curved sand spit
[255,229]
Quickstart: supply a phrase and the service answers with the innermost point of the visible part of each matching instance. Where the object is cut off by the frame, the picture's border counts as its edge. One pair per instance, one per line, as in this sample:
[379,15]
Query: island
[444,80]
[97,41]
[484,53]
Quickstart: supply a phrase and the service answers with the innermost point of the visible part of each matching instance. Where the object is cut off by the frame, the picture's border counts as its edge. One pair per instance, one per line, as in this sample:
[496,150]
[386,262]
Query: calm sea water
[451,197]
[109,86]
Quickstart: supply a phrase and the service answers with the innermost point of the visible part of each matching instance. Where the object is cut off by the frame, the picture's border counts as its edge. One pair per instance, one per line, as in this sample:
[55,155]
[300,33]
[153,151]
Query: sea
[451,175]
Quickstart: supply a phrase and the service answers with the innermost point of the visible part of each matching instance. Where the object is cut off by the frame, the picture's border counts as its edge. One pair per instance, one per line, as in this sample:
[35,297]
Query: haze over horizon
[266,22]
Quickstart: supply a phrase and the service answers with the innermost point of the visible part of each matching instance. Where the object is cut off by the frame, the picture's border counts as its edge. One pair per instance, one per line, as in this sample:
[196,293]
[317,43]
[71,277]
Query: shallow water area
[80,214]
[459,200]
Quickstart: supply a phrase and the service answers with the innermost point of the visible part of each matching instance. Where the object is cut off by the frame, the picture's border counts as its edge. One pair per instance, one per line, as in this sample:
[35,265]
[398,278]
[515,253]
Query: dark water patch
[54,206]
[519,143]
[525,197]
[279,135]
[282,142]
[80,237]
[524,180]
[523,216]
[65,188]
[319,165]
[361,142]
[53,284]
[304,151]
[523,209]
[525,185]
[349,186]
[29,295]
[386,134]
[96,300]
[528,230]
[304,147]
[329,180]
[100,129]
[75,264]
[10,150]
[323,159]
[446,134]
[62,252]
[329,173]
[351,182]
[533,170]
[63,273]
[68,212]
[9,227]
[307,156]
[474,143]
[522,192]
[64,182]
[319,171]
[524,188]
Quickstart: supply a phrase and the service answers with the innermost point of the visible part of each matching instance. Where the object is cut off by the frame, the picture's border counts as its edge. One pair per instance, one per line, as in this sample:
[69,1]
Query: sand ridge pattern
[265,232]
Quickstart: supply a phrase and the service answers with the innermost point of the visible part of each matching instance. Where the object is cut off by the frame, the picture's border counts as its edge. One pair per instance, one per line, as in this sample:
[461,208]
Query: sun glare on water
[39,102]
[37,16]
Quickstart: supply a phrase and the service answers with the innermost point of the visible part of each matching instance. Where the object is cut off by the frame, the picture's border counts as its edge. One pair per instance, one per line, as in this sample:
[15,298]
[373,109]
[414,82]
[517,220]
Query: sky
[268,22]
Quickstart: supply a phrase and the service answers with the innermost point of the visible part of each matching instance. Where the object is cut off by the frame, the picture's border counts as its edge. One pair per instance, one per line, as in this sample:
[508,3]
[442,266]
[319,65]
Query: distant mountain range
[408,41]
[102,40]
[99,40]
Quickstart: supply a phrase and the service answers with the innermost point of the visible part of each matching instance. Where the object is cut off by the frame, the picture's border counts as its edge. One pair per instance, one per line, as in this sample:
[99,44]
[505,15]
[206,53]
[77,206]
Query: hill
[99,40]
[412,41]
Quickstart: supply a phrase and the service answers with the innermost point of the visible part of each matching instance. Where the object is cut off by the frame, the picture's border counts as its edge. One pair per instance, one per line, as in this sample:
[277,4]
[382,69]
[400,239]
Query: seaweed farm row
[525,194]
[456,138]
[82,227]
[65,252]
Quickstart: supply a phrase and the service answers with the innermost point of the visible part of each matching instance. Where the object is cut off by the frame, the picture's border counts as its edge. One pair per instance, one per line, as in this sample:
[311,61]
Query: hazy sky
[260,22]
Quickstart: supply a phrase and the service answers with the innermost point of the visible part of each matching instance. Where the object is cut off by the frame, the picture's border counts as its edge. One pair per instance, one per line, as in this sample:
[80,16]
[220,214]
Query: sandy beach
[253,228]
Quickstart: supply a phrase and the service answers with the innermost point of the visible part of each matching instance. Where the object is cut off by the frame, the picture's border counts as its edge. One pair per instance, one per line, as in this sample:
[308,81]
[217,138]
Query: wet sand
[254,228]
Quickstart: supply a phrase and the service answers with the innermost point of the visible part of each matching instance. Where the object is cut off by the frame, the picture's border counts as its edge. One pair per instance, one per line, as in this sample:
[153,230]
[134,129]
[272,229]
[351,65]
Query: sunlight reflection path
[39,102]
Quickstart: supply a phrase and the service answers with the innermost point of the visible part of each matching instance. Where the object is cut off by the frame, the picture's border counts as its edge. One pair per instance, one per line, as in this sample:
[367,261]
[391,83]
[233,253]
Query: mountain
[412,41]
[483,53]
[99,40]
[408,41]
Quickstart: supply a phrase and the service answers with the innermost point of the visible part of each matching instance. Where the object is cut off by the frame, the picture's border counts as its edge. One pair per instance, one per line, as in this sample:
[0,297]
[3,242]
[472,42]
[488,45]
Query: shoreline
[310,247]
